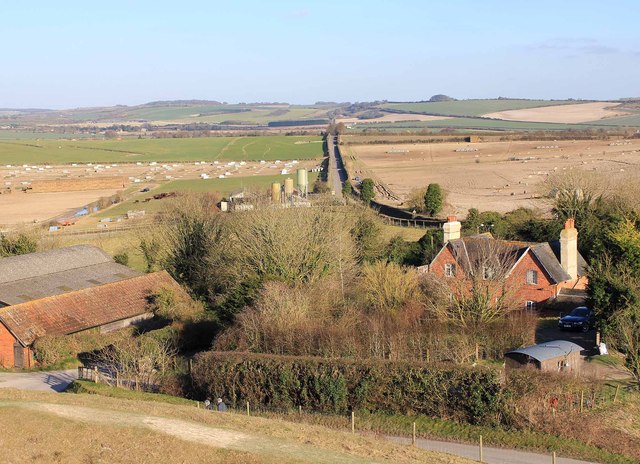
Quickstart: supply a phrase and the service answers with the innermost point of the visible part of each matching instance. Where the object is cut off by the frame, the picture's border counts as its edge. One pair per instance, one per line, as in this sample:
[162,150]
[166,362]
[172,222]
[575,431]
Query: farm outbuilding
[555,356]
[65,291]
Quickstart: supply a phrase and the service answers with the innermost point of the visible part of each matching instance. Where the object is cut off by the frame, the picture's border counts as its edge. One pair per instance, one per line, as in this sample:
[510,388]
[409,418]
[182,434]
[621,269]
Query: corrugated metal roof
[23,290]
[47,262]
[548,350]
[84,309]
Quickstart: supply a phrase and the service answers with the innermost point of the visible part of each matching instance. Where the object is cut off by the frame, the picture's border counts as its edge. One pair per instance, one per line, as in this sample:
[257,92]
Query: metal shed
[555,356]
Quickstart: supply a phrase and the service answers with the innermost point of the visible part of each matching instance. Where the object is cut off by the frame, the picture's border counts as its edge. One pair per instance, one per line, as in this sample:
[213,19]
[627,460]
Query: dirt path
[194,432]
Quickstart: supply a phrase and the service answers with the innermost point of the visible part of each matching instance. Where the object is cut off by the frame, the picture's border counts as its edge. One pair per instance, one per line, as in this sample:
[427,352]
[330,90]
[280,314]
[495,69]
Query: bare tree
[480,293]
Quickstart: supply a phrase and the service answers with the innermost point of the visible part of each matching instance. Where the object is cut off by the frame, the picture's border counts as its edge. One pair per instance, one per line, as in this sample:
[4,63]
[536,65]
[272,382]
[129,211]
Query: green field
[30,135]
[471,107]
[200,112]
[224,186]
[484,124]
[133,150]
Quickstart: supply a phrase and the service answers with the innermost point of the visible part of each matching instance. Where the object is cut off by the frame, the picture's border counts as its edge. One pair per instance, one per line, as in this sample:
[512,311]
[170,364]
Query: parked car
[578,319]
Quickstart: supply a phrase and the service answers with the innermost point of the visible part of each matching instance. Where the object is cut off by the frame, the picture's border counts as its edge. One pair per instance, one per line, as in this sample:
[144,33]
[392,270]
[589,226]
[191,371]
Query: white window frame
[532,277]
[529,305]
[449,269]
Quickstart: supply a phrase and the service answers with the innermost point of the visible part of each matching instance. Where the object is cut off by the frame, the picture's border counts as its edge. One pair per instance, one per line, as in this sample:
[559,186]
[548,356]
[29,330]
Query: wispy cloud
[574,46]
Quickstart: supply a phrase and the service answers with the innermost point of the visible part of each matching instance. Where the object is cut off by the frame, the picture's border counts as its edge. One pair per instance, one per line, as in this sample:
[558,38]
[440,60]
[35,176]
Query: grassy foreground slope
[78,429]
[161,150]
[471,107]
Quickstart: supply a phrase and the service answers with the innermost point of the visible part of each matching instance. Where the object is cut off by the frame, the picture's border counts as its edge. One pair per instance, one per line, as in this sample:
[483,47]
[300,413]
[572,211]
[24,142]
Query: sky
[68,54]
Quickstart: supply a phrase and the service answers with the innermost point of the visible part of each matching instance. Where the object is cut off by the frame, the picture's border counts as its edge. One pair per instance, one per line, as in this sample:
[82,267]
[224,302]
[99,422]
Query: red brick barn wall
[539,293]
[6,347]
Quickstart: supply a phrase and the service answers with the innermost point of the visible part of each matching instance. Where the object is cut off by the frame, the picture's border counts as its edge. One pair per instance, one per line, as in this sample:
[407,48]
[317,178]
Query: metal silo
[303,181]
[275,192]
[288,188]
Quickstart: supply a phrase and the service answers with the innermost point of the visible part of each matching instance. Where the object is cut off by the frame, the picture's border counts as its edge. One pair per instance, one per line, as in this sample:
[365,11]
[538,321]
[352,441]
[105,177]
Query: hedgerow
[468,394]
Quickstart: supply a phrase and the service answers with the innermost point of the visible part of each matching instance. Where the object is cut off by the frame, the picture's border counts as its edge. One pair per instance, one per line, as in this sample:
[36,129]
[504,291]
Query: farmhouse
[65,291]
[533,272]
[555,356]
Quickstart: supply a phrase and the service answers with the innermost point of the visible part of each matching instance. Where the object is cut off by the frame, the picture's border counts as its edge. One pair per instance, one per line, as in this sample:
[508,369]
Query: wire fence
[409,430]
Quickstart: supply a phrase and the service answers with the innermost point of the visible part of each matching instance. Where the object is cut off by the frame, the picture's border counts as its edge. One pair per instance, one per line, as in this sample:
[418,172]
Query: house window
[532,277]
[449,270]
[530,305]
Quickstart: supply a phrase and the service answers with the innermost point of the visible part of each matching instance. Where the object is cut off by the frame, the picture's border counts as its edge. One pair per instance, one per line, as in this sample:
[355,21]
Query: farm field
[133,150]
[483,125]
[471,107]
[392,117]
[183,112]
[19,207]
[31,135]
[563,114]
[223,186]
[499,176]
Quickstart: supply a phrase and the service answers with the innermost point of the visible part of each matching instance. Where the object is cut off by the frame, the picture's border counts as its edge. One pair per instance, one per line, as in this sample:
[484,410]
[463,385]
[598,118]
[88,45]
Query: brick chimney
[451,229]
[569,248]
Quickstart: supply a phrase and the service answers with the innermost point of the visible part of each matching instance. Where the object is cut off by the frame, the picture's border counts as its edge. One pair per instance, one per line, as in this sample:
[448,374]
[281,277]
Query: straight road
[489,455]
[56,381]
[337,173]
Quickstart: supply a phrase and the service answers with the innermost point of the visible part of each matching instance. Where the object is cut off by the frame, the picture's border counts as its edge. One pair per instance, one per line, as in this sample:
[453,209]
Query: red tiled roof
[84,309]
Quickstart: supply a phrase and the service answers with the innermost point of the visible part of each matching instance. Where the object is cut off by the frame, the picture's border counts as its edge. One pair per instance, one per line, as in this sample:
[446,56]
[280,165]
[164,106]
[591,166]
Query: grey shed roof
[40,275]
[548,350]
[19,291]
[47,262]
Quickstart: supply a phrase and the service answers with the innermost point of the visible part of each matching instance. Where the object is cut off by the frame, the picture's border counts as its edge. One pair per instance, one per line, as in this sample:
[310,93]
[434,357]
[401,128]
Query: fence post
[79,372]
[413,435]
[300,409]
[553,458]
[248,413]
[481,458]
[581,401]
[95,372]
[353,422]
[190,365]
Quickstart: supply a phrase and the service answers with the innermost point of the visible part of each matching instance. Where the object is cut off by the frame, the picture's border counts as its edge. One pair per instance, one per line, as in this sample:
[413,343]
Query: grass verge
[401,425]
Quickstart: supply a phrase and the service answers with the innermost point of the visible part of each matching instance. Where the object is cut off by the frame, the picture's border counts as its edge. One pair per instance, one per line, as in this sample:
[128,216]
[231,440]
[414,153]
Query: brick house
[65,291]
[533,272]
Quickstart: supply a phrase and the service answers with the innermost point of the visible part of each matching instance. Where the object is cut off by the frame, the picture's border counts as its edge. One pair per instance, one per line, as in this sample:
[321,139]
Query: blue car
[578,319]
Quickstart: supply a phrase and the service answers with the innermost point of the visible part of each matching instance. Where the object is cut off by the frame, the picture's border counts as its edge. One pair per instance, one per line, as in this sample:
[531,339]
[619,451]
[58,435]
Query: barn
[555,356]
[65,291]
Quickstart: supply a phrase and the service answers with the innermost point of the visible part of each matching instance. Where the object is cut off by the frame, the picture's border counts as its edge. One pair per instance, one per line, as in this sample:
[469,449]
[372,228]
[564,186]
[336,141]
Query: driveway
[56,381]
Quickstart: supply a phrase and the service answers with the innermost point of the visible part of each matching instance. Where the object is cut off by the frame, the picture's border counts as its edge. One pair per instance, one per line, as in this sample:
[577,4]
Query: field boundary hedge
[469,394]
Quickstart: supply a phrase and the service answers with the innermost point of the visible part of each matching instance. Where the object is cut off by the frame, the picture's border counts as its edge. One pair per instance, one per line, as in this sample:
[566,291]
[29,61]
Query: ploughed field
[499,176]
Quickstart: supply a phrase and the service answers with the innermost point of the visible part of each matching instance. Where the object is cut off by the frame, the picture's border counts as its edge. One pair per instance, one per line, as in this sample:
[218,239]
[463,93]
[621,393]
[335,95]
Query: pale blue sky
[83,53]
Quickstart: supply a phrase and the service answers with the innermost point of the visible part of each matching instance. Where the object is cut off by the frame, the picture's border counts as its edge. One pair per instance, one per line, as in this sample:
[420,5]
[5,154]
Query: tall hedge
[339,385]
